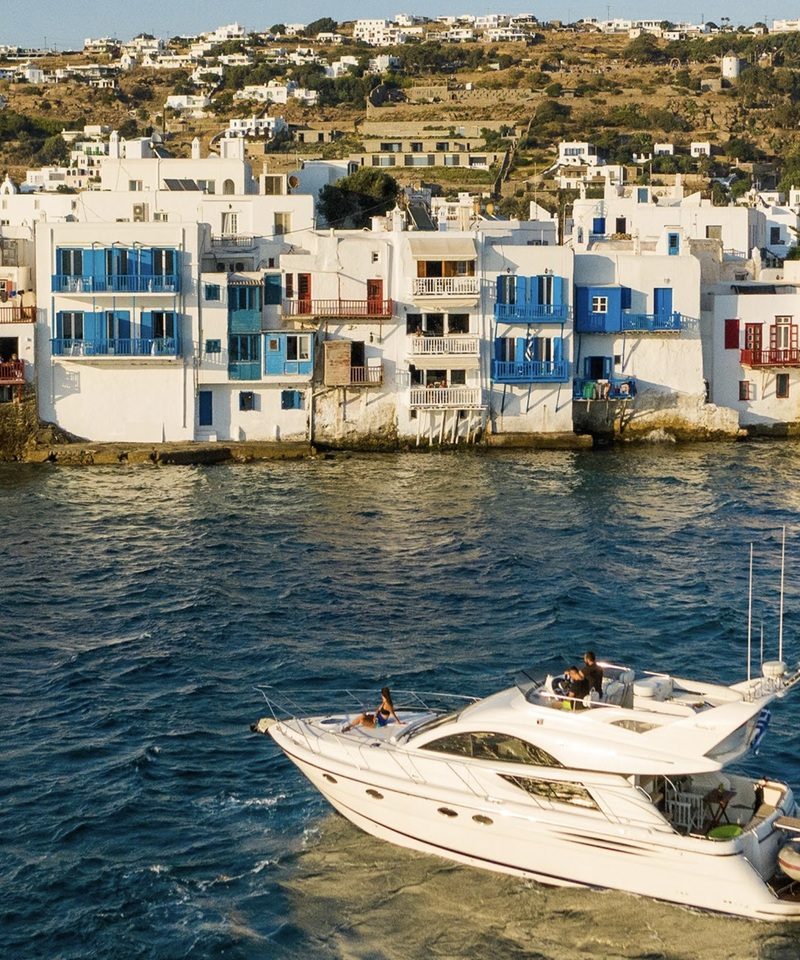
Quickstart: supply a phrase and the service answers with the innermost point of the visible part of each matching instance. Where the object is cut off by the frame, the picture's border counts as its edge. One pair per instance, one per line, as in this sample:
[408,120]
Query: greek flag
[761,729]
[529,348]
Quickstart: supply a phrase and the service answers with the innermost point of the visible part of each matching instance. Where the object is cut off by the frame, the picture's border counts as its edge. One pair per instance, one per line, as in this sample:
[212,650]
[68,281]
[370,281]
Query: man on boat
[578,687]
[593,672]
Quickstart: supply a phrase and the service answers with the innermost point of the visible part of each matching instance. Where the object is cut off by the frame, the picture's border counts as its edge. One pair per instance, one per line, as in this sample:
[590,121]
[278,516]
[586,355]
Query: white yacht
[629,791]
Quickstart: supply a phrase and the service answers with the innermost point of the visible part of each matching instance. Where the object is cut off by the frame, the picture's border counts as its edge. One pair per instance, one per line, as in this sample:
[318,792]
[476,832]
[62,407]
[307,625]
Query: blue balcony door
[662,301]
[206,408]
[118,324]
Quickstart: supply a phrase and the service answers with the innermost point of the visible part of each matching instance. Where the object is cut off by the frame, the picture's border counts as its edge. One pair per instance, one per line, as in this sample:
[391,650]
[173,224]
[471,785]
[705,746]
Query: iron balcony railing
[123,347]
[444,346]
[596,323]
[446,286]
[350,309]
[532,312]
[615,388]
[17,314]
[458,398]
[530,371]
[652,322]
[117,283]
[777,357]
[231,240]
[244,370]
[12,371]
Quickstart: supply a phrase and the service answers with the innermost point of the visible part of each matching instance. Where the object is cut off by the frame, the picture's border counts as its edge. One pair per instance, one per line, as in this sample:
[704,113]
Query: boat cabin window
[493,746]
[637,726]
[555,791]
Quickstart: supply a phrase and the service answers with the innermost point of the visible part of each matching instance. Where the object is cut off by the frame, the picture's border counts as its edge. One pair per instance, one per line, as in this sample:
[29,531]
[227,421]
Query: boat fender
[789,859]
[262,725]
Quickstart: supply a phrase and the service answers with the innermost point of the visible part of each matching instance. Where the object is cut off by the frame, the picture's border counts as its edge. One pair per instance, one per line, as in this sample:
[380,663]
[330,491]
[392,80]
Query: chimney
[196,148]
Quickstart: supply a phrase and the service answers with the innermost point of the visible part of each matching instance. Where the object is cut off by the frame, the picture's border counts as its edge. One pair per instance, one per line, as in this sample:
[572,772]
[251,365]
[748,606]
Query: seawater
[141,607]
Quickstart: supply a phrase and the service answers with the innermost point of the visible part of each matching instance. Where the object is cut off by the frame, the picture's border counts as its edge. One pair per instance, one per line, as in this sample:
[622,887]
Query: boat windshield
[431,724]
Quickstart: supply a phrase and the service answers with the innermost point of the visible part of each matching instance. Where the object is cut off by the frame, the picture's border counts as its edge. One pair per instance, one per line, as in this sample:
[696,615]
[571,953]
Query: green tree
[278,28]
[354,199]
[644,49]
[323,25]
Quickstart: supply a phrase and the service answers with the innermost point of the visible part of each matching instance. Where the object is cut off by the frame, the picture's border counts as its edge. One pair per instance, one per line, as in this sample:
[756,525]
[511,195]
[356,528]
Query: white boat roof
[698,729]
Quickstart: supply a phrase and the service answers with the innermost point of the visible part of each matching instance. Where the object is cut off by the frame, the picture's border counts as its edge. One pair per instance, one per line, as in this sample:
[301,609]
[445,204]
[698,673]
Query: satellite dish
[294,181]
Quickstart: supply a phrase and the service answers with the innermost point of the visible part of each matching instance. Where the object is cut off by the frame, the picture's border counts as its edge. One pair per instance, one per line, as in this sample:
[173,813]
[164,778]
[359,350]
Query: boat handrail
[284,703]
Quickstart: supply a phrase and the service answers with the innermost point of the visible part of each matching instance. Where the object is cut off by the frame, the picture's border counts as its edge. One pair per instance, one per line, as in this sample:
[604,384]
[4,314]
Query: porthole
[329,778]
[479,818]
[447,812]
[375,793]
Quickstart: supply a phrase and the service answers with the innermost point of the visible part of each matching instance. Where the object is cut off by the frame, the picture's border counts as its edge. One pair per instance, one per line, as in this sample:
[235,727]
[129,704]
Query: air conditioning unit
[140,213]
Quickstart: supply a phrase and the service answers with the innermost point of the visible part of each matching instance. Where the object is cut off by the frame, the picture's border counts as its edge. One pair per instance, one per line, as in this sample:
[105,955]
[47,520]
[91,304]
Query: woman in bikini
[379,718]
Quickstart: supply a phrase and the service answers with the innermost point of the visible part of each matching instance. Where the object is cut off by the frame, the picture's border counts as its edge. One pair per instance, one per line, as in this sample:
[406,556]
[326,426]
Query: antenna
[762,643]
[750,615]
[780,618]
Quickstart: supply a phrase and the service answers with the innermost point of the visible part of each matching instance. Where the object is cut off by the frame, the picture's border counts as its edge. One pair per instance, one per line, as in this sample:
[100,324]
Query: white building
[378,33]
[267,127]
[578,153]
[192,104]
[700,148]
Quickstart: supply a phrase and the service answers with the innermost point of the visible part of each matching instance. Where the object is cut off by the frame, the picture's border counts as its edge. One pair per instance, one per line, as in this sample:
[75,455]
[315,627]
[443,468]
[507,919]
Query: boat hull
[427,819]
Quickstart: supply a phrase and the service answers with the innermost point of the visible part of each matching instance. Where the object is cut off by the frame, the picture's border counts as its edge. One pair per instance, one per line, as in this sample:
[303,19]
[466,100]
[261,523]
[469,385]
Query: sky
[65,23]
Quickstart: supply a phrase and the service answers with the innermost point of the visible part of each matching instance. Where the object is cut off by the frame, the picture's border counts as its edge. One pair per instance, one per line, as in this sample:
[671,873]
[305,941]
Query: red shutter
[732,334]
[773,337]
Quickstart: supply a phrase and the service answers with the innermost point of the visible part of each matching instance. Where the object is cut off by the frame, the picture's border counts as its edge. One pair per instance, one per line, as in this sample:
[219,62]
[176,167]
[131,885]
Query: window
[163,263]
[163,324]
[732,334]
[783,334]
[598,225]
[72,325]
[272,289]
[243,348]
[555,791]
[291,400]
[230,223]
[413,322]
[493,746]
[72,262]
[714,232]
[506,288]
[745,390]
[134,186]
[774,235]
[289,285]
[599,304]
[458,323]
[375,256]
[782,386]
[283,224]
[212,291]
[247,400]
[213,346]
[458,378]
[673,244]
[228,187]
[298,347]
[160,216]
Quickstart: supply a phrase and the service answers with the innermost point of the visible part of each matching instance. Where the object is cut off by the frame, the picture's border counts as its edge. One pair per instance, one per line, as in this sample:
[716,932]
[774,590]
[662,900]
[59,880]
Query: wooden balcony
[458,346]
[446,398]
[788,357]
[9,314]
[12,373]
[446,286]
[366,376]
[339,309]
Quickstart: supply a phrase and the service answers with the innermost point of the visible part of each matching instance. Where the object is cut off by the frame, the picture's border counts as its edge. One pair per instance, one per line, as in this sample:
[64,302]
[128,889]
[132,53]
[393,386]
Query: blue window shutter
[147,325]
[145,261]
[625,300]
[558,349]
[607,361]
[272,289]
[500,289]
[59,325]
[499,342]
[587,367]
[521,290]
[558,291]
[519,349]
[599,225]
[124,324]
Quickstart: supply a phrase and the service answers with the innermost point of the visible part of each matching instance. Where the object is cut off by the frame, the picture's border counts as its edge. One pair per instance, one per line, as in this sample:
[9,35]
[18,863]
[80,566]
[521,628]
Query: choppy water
[140,818]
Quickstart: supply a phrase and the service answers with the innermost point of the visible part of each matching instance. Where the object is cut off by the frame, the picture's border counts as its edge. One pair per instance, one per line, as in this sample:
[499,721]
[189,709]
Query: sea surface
[141,607]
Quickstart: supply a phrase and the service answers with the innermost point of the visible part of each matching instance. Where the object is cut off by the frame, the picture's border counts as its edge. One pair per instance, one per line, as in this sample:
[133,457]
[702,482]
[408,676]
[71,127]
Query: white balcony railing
[444,346]
[446,287]
[452,398]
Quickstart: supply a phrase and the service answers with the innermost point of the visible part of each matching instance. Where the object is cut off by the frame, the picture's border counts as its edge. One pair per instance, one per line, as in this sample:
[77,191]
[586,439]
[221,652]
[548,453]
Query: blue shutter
[519,349]
[499,343]
[587,367]
[272,289]
[146,325]
[59,325]
[599,225]
[625,298]
[558,291]
[607,361]
[521,290]
[124,324]
[145,262]
[500,289]
[558,349]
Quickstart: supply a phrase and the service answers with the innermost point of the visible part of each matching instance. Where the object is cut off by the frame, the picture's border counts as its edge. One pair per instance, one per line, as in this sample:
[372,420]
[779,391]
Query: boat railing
[290,705]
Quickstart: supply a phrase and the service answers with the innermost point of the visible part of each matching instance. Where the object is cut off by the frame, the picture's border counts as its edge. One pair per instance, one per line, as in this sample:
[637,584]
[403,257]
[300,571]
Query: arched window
[228,187]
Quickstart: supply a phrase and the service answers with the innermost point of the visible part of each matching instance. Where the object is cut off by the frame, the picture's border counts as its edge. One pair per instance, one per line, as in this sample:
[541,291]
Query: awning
[234,281]
[442,247]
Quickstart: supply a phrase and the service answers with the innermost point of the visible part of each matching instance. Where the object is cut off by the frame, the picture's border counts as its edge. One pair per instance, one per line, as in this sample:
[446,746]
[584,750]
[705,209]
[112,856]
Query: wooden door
[374,296]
